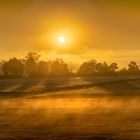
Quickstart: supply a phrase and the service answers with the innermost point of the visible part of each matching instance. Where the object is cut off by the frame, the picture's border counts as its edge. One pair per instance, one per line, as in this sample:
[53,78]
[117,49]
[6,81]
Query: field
[99,108]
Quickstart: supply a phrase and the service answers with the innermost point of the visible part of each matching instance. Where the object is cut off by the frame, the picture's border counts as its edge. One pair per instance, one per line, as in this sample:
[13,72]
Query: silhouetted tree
[43,68]
[59,68]
[31,61]
[30,66]
[1,65]
[94,68]
[105,68]
[13,68]
[88,68]
[113,67]
[123,71]
[99,68]
[133,68]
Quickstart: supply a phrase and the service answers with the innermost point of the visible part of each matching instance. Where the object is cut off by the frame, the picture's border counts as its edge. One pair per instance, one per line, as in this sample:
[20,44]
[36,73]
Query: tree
[105,68]
[59,68]
[13,68]
[93,68]
[87,68]
[123,71]
[113,67]
[43,68]
[31,61]
[99,68]
[1,65]
[133,68]
[102,68]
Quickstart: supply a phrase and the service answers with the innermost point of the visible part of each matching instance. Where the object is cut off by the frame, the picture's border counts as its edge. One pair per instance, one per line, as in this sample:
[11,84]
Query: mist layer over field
[70,108]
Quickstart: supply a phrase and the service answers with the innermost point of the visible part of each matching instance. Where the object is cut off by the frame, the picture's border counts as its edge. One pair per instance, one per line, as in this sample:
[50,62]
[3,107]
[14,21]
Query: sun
[61,39]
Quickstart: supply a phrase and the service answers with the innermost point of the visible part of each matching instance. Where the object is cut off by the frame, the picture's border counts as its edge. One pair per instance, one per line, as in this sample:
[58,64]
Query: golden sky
[102,29]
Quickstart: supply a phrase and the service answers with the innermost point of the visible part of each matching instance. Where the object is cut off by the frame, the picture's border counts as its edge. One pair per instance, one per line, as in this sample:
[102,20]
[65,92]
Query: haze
[103,30]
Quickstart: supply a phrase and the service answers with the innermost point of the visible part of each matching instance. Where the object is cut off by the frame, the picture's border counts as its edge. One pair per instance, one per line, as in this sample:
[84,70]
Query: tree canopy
[32,66]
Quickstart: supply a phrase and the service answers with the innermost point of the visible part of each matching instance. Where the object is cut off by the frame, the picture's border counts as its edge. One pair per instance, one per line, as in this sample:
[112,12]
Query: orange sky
[103,30]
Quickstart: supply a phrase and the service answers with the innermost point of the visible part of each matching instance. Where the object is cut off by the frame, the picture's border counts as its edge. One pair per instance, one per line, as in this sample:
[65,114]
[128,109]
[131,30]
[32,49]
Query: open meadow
[100,108]
[69,69]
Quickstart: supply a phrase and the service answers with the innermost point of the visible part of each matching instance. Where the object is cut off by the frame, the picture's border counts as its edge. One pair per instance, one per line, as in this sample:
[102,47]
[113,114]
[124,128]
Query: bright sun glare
[61,39]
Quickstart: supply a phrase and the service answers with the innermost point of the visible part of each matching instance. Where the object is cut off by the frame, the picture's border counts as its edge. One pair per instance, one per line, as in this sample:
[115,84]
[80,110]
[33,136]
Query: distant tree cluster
[31,66]
[92,67]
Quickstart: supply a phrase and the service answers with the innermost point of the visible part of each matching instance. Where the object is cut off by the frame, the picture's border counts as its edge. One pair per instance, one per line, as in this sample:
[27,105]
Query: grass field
[99,108]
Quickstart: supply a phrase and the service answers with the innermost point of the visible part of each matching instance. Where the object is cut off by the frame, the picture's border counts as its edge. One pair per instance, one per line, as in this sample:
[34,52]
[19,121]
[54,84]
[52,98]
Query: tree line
[32,66]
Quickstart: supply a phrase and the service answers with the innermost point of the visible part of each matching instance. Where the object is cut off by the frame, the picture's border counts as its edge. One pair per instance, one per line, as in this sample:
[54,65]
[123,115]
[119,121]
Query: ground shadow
[118,87]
